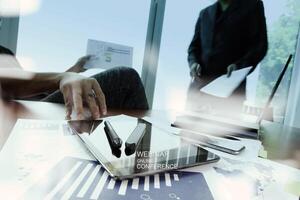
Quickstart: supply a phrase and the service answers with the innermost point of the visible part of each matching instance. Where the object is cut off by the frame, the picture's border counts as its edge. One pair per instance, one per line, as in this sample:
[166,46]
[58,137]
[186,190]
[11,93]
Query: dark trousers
[122,87]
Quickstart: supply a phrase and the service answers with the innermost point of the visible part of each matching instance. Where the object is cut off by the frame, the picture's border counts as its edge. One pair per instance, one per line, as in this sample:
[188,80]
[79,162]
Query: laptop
[222,126]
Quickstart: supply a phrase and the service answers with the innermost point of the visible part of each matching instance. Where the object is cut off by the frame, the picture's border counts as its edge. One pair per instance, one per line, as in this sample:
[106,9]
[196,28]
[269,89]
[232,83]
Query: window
[173,73]
[283,26]
[56,35]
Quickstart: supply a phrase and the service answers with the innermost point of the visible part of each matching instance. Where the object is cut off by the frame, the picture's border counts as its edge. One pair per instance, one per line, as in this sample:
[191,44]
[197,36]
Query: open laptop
[219,125]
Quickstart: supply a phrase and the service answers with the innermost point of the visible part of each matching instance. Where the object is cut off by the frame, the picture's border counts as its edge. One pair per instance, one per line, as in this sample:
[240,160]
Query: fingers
[230,68]
[192,73]
[198,70]
[66,91]
[83,60]
[229,71]
[195,70]
[77,89]
[91,101]
[86,58]
[100,97]
[81,63]
[77,100]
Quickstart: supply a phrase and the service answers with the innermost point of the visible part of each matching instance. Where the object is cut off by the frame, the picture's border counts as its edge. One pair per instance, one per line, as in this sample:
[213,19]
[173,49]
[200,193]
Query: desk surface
[12,111]
[281,142]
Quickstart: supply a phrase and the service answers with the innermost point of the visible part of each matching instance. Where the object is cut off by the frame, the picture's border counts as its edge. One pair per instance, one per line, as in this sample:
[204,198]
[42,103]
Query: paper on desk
[224,86]
[32,149]
[246,176]
[36,159]
[107,55]
[40,162]
[255,179]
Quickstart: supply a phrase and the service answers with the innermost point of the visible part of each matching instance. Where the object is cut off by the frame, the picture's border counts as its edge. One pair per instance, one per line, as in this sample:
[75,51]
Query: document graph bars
[75,178]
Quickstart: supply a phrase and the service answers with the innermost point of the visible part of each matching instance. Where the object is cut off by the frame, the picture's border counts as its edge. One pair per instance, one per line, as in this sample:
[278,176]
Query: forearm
[39,83]
[192,59]
[258,32]
[194,53]
[253,56]
[194,50]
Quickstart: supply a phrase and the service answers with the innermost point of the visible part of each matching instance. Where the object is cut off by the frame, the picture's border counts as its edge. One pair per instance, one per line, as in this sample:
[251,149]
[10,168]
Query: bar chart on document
[74,178]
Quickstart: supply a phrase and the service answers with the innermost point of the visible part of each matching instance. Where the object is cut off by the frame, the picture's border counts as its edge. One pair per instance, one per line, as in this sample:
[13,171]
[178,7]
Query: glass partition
[173,76]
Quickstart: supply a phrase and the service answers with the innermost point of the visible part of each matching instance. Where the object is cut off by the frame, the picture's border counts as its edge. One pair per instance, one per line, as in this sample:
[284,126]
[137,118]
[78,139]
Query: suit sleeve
[4,50]
[258,38]
[194,50]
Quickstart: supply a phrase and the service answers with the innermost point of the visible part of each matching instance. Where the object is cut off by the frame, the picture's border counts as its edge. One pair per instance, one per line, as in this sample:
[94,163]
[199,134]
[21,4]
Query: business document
[224,86]
[106,55]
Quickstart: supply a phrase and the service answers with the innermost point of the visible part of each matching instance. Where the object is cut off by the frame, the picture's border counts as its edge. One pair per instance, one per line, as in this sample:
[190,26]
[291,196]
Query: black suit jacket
[238,37]
[4,50]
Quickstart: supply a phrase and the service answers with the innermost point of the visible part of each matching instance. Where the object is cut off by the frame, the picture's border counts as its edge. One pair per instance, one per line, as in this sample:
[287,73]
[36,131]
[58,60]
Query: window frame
[293,101]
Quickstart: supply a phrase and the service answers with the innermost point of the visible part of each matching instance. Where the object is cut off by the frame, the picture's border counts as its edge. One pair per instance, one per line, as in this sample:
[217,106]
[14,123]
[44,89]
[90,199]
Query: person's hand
[77,90]
[230,69]
[79,65]
[195,70]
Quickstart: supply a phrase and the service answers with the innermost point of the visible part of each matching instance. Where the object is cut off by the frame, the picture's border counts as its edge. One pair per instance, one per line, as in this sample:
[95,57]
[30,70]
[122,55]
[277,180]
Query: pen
[112,135]
[114,149]
[135,138]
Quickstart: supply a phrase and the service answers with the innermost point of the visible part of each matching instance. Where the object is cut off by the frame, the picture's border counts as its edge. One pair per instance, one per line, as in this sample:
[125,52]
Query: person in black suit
[229,35]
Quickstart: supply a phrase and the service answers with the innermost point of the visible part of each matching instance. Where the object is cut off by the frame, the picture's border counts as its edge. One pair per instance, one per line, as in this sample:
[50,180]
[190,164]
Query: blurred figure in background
[229,35]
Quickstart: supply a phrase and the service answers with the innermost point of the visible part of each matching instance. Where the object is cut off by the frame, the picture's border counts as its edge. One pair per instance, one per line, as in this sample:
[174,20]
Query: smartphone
[234,147]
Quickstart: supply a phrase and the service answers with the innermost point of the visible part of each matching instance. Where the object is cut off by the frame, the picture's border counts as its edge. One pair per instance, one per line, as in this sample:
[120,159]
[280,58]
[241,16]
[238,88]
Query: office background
[54,34]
